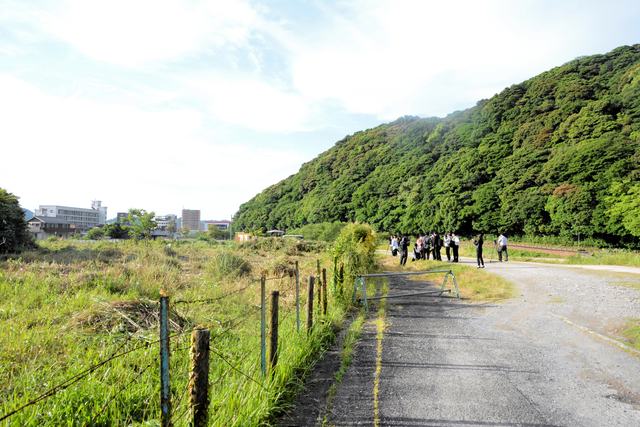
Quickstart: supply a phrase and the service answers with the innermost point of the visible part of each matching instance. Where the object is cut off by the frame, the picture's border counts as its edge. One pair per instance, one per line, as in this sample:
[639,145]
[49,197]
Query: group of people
[427,245]
[431,244]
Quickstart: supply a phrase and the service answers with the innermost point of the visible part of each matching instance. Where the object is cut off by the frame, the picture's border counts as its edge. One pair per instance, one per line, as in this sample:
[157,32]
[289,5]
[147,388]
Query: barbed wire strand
[135,378]
[184,392]
[74,379]
[205,300]
[236,369]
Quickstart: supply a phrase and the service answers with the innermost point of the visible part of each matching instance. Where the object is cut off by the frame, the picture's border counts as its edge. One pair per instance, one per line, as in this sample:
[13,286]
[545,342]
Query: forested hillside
[554,155]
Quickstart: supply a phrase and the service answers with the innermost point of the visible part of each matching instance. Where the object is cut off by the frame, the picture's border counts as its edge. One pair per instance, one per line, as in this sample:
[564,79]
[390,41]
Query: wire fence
[222,332]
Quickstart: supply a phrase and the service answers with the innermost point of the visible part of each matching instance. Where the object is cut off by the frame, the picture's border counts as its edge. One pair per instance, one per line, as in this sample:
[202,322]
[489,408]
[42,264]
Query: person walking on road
[502,247]
[455,244]
[478,244]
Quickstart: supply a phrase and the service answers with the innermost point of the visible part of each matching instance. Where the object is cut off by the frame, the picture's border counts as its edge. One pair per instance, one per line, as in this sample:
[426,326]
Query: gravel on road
[535,360]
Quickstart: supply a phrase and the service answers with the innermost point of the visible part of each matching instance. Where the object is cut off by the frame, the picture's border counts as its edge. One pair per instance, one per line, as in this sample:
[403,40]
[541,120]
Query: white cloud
[69,151]
[252,103]
[384,58]
[131,33]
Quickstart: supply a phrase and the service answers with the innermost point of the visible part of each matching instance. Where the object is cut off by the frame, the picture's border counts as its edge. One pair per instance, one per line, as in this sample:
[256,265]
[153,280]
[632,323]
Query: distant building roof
[50,220]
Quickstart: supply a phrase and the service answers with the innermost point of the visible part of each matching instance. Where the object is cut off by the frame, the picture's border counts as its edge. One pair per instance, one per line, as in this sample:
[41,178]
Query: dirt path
[537,360]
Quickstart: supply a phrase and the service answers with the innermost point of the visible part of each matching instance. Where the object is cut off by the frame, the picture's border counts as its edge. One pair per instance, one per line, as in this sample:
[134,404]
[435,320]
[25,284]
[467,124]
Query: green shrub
[226,263]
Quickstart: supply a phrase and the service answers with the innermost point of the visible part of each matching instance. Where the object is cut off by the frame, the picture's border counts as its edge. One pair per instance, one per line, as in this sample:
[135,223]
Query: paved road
[441,362]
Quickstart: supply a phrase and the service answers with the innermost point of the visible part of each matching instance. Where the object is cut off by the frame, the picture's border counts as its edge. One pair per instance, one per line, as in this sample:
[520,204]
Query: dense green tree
[114,230]
[95,234]
[540,157]
[142,223]
[215,233]
[625,206]
[14,235]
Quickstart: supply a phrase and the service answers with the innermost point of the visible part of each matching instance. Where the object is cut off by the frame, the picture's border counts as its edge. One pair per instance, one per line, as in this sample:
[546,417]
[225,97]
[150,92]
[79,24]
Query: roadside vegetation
[67,306]
[632,332]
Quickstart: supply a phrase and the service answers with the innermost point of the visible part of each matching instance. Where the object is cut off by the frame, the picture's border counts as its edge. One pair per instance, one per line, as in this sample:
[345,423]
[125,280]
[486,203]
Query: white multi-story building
[167,220]
[80,217]
[220,225]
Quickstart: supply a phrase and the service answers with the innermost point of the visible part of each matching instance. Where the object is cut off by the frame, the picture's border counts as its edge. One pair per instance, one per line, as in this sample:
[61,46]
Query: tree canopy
[554,155]
[14,235]
[143,223]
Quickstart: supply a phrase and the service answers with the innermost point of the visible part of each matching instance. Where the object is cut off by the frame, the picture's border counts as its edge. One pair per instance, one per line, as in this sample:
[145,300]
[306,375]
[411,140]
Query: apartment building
[166,221]
[80,217]
[191,219]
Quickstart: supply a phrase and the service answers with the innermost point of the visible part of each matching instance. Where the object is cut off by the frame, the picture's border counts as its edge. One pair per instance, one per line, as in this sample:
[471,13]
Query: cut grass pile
[474,284]
[69,306]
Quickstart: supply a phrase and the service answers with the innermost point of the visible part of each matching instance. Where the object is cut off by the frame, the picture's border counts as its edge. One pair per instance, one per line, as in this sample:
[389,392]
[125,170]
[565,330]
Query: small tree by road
[142,223]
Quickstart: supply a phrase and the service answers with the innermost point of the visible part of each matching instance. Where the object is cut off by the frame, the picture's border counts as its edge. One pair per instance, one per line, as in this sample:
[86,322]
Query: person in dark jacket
[426,246]
[478,244]
[437,245]
[404,249]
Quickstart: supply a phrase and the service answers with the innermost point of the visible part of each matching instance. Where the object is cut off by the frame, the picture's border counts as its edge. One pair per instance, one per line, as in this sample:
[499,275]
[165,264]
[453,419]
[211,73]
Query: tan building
[242,237]
[44,227]
[191,219]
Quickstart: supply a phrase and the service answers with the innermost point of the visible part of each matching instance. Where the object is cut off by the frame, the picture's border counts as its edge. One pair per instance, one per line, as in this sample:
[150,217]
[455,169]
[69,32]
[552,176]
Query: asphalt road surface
[544,358]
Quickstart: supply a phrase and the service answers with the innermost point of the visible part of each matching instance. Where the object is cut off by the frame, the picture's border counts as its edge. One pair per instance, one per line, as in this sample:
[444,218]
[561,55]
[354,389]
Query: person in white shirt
[455,243]
[502,247]
[447,245]
[394,246]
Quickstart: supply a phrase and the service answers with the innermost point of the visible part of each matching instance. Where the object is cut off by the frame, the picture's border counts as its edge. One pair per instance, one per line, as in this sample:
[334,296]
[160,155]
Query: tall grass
[70,305]
[607,257]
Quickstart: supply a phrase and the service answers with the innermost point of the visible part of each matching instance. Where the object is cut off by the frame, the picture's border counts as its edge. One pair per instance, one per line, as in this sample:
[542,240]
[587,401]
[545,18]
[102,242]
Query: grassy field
[607,257]
[70,306]
[490,253]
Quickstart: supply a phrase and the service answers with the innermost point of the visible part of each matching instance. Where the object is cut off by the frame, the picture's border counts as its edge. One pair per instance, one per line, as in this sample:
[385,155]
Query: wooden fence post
[273,337]
[263,328]
[319,286]
[165,387]
[324,291]
[297,298]
[310,304]
[199,377]
[341,279]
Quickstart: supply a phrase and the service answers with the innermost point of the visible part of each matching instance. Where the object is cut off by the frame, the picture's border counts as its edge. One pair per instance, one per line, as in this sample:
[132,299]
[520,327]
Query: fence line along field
[79,328]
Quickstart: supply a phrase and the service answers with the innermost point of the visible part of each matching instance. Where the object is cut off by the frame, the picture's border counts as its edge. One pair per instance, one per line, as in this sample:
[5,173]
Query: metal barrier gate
[361,285]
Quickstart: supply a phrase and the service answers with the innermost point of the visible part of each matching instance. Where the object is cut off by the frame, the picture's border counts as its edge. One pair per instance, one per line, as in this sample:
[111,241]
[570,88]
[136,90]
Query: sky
[164,105]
